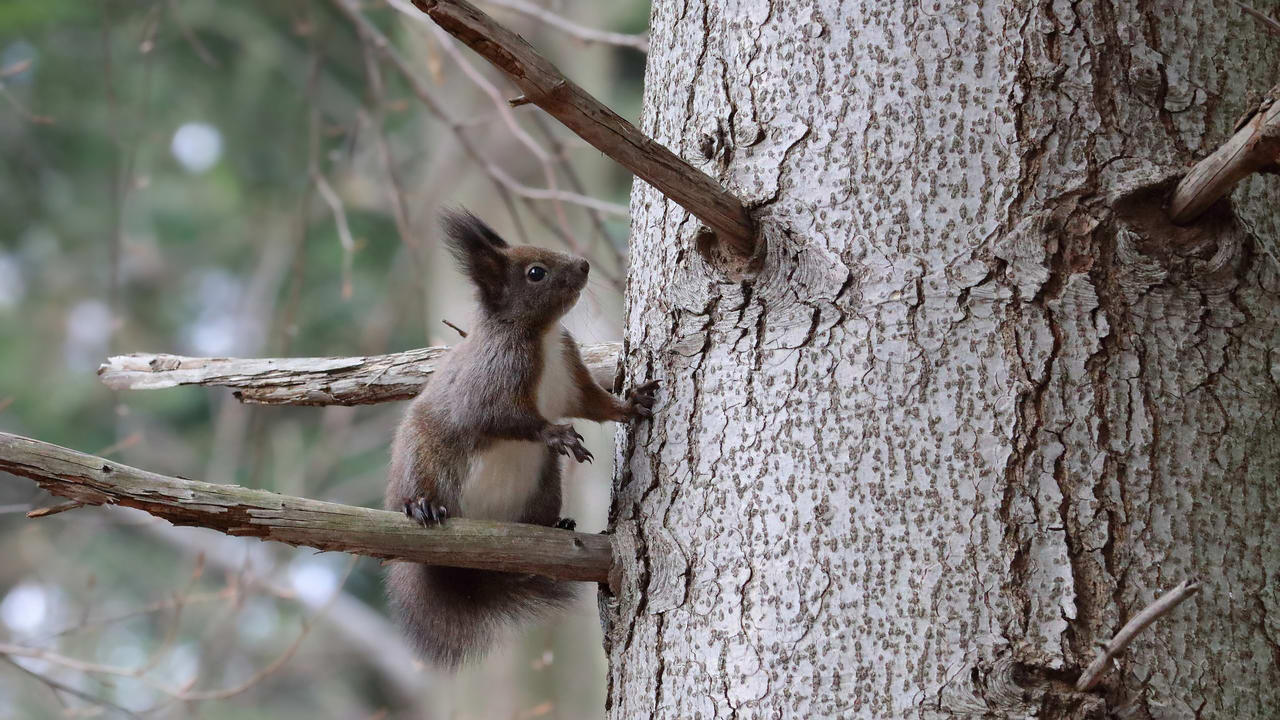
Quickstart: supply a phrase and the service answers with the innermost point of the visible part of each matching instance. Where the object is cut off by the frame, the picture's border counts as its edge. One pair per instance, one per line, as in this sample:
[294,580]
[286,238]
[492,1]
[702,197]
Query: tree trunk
[982,403]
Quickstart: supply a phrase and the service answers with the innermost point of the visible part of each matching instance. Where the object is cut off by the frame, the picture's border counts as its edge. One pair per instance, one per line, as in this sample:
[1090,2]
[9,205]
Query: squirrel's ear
[479,252]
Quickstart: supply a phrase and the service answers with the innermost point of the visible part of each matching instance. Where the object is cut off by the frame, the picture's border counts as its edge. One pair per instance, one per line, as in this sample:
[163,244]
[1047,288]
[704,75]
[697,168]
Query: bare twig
[141,672]
[344,231]
[545,86]
[1254,147]
[1160,607]
[459,330]
[309,381]
[1271,24]
[501,179]
[192,39]
[57,687]
[54,509]
[234,510]
[585,34]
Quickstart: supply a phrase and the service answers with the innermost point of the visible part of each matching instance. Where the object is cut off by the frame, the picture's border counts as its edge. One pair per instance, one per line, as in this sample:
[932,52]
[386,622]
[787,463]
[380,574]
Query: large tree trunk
[982,403]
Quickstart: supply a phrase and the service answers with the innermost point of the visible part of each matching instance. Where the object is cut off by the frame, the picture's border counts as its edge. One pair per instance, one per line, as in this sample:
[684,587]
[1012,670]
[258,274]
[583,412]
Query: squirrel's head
[526,285]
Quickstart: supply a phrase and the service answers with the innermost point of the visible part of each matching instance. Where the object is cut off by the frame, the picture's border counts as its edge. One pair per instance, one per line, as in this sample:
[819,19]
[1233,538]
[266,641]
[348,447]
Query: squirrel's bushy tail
[453,614]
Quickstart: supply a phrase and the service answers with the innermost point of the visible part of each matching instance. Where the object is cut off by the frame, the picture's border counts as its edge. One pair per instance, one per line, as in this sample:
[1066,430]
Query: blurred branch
[585,34]
[545,86]
[309,381]
[344,231]
[1255,147]
[361,628]
[182,693]
[419,88]
[234,510]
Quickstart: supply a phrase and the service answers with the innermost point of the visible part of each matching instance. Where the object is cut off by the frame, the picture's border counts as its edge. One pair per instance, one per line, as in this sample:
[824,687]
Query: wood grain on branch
[545,86]
[309,381]
[235,510]
[1254,147]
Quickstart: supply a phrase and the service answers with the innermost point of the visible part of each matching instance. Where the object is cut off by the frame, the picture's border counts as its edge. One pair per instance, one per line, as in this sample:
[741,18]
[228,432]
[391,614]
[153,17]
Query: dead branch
[1268,23]
[308,381]
[235,510]
[545,86]
[1254,147]
[1160,607]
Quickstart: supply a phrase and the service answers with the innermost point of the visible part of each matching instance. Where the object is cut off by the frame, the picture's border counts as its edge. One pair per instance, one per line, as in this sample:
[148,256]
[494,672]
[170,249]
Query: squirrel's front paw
[565,440]
[640,400]
[425,512]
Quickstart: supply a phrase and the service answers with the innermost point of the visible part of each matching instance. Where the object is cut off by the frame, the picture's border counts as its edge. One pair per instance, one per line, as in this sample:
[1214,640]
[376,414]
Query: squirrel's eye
[536,273]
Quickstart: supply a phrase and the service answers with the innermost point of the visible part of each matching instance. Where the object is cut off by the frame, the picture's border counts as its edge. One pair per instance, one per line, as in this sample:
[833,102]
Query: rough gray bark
[983,402]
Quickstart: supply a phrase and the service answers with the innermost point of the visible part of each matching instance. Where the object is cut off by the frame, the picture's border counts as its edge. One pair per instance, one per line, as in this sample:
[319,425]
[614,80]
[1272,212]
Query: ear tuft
[464,229]
[479,252]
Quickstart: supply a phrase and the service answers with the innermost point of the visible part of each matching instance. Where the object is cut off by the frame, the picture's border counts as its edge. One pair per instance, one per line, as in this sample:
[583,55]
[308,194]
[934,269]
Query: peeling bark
[983,402]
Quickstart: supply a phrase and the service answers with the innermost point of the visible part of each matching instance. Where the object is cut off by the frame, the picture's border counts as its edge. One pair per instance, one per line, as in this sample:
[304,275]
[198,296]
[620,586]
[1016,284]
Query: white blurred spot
[127,654]
[25,608]
[11,286]
[215,331]
[258,621]
[197,146]
[134,694]
[88,330]
[313,580]
[182,665]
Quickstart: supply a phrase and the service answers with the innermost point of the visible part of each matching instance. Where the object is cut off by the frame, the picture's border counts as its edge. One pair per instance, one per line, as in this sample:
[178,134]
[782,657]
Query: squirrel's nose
[584,266]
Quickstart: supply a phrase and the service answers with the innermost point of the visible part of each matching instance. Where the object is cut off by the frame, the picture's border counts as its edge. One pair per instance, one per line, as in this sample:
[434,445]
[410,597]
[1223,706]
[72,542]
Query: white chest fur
[503,477]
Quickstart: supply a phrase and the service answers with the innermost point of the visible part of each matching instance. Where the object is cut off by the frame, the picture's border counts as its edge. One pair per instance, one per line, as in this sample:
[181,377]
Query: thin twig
[344,231]
[54,509]
[234,510]
[1160,607]
[1269,23]
[57,686]
[192,39]
[459,330]
[585,34]
[504,182]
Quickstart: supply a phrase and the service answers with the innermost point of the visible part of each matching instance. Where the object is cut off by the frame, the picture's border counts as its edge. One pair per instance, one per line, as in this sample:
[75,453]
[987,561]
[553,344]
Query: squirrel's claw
[565,440]
[566,524]
[641,399]
[424,512]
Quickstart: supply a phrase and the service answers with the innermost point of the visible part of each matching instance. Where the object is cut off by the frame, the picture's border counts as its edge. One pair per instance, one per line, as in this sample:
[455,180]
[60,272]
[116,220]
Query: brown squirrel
[481,440]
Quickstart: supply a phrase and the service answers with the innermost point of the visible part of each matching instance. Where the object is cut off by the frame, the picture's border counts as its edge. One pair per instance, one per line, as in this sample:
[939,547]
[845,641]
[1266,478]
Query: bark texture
[983,402]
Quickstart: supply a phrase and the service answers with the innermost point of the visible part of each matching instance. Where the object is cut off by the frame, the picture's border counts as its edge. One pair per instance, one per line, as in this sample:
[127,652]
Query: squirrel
[483,438]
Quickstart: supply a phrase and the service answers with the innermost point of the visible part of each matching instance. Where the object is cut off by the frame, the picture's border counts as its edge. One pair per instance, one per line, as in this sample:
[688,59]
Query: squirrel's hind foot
[424,512]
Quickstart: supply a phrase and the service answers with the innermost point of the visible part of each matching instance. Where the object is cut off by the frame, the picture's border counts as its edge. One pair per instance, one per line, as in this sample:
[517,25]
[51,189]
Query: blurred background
[256,179]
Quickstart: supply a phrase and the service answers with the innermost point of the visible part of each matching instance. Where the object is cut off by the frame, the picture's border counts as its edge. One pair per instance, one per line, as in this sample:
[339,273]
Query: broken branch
[309,381]
[1254,147]
[1161,606]
[235,510]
